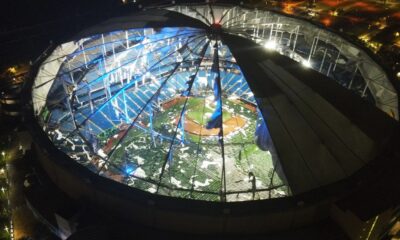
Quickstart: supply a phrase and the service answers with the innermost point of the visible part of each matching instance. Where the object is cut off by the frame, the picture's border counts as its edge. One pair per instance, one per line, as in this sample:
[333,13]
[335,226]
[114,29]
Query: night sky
[26,27]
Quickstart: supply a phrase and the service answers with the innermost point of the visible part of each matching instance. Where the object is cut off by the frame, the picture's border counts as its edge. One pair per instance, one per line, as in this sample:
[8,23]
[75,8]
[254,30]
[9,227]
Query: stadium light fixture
[306,63]
[270,45]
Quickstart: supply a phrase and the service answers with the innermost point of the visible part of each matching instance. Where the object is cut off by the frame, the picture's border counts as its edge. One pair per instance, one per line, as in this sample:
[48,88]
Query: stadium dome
[216,104]
[166,111]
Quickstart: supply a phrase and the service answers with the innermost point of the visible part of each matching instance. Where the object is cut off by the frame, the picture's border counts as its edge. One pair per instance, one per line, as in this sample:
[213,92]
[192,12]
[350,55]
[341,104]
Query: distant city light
[12,70]
[312,14]
[326,21]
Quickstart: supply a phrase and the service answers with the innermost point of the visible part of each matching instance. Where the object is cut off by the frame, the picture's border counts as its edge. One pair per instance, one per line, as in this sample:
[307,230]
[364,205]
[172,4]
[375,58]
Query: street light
[3,153]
